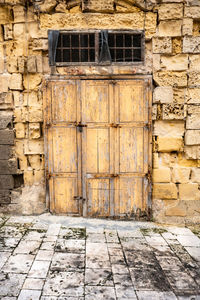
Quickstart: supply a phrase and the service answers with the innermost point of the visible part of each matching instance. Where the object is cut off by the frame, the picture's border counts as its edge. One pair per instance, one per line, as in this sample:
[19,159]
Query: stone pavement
[51,257]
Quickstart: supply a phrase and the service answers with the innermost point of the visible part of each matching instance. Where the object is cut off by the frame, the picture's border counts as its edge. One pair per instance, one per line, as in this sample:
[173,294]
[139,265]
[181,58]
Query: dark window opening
[98,47]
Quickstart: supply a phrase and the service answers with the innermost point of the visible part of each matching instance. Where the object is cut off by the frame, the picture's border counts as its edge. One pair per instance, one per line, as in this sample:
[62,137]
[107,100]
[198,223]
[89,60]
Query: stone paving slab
[63,258]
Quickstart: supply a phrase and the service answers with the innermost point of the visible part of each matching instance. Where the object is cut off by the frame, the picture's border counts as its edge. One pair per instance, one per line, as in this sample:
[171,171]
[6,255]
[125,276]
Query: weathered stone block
[193,96]
[194,78]
[35,130]
[20,130]
[1,34]
[170,11]
[176,45]
[5,119]
[34,147]
[39,64]
[188,191]
[19,14]
[35,114]
[163,94]
[192,12]
[28,177]
[5,151]
[18,99]
[6,137]
[4,82]
[18,30]
[31,64]
[21,64]
[31,81]
[98,6]
[192,137]
[173,112]
[5,15]
[192,152]
[177,210]
[32,99]
[16,48]
[8,32]
[169,128]
[162,45]
[196,27]
[169,144]
[162,175]
[187,28]
[15,82]
[5,197]
[8,167]
[35,161]
[39,176]
[193,121]
[170,28]
[164,191]
[179,95]
[11,63]
[156,62]
[6,182]
[150,24]
[194,62]
[185,162]
[40,44]
[195,175]
[177,62]
[191,44]
[169,78]
[180,175]
[46,6]
[20,114]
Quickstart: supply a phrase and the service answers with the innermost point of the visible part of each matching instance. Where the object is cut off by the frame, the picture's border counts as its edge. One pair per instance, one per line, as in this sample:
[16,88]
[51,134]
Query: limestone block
[31,64]
[193,109]
[21,114]
[16,82]
[98,6]
[185,162]
[1,65]
[18,98]
[179,95]
[170,78]
[169,144]
[40,44]
[19,30]
[188,191]
[16,48]
[192,12]
[61,7]
[194,62]
[154,111]
[193,96]
[1,34]
[4,83]
[173,112]
[35,130]
[20,130]
[156,62]
[195,177]
[19,14]
[39,176]
[47,6]
[34,147]
[101,21]
[177,210]
[170,11]
[187,28]
[11,63]
[176,46]
[192,152]
[170,28]
[191,44]
[162,45]
[31,99]
[155,161]
[28,177]
[8,166]
[6,100]
[192,137]
[150,24]
[162,175]
[163,94]
[21,64]
[196,27]
[6,182]
[169,128]
[23,162]
[180,175]
[177,62]
[31,81]
[5,15]
[194,78]
[35,161]
[39,64]
[35,114]
[164,191]
[8,32]
[193,121]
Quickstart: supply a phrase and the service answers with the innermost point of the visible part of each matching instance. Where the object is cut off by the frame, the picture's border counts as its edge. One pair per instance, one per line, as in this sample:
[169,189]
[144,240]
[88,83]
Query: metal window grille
[96,47]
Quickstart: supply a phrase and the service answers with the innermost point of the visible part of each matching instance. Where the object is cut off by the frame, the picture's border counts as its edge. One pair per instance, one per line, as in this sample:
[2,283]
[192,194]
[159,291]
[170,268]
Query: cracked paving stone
[10,231]
[7,244]
[27,247]
[3,258]
[98,277]
[61,298]
[155,240]
[160,250]
[48,245]
[114,245]
[154,295]
[96,237]
[152,279]
[29,295]
[170,263]
[194,297]
[94,263]
[64,284]
[133,233]
[137,259]
[115,251]
[67,261]
[189,241]
[13,220]
[53,229]
[119,269]
[99,293]
[9,298]
[74,246]
[125,292]
[10,284]
[122,279]
[73,233]
[118,259]
[111,237]
[34,236]
[135,245]
[97,249]
[19,263]
[39,269]
[44,255]
[33,284]
[194,252]
[181,281]
[180,230]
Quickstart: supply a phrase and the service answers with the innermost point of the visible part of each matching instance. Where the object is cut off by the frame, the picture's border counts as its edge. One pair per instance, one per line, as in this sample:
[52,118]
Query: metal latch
[80,126]
[115,125]
[79,198]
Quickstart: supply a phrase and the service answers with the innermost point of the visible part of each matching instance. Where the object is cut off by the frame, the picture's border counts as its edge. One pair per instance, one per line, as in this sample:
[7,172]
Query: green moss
[148,231]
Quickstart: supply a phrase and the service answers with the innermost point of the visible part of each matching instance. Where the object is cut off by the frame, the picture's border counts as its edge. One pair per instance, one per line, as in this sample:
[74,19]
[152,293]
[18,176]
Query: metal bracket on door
[80,126]
[79,198]
[115,125]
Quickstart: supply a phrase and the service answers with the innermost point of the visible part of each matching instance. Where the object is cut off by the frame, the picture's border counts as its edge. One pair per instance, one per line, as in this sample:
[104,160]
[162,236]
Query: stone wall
[172,56]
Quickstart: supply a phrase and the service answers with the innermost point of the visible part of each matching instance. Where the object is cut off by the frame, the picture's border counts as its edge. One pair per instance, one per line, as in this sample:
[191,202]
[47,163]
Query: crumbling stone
[170,11]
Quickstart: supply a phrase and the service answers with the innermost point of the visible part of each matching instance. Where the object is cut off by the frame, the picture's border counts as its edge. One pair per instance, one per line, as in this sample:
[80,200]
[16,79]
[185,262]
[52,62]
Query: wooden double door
[97,141]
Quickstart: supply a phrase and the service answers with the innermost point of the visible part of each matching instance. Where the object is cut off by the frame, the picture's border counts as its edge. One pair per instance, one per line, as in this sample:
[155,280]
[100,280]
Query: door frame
[148,88]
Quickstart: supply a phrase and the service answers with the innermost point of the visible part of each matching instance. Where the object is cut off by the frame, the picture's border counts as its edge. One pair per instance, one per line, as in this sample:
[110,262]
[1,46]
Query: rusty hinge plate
[79,198]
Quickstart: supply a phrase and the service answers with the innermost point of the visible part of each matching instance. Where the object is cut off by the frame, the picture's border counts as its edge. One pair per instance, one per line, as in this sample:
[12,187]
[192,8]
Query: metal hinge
[147,126]
[148,175]
[79,198]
